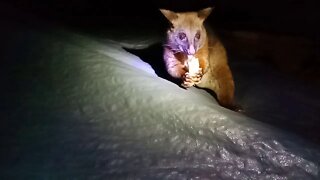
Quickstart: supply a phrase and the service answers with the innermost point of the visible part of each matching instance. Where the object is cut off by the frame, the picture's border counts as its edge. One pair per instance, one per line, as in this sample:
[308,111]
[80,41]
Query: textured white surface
[87,109]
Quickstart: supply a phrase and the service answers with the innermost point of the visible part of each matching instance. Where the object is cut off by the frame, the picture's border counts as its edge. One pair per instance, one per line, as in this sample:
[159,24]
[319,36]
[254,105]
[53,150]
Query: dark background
[283,32]
[298,17]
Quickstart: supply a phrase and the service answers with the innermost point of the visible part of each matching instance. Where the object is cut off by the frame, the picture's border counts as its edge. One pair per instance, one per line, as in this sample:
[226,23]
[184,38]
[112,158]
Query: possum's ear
[170,15]
[204,13]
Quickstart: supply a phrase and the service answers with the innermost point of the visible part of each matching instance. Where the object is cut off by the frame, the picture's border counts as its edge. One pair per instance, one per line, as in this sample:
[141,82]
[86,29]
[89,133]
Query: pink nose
[191,50]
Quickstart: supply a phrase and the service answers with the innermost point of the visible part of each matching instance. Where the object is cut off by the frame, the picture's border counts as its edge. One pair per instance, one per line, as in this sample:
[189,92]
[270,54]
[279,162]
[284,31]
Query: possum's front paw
[191,80]
[196,78]
[187,81]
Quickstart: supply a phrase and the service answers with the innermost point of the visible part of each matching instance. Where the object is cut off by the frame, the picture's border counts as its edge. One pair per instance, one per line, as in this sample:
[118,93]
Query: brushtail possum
[187,37]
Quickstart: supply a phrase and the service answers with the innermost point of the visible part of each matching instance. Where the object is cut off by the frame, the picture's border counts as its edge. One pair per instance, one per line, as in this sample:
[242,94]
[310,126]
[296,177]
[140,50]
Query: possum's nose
[191,50]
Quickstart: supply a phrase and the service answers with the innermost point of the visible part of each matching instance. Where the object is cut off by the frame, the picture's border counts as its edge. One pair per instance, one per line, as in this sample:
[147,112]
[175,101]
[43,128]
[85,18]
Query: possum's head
[187,33]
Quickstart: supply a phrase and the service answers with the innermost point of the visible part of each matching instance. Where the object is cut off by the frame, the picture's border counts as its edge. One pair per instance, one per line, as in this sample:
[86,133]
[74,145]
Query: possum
[188,39]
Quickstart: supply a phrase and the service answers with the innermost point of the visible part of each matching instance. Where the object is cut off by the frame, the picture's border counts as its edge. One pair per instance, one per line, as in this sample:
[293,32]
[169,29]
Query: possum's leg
[225,86]
[221,82]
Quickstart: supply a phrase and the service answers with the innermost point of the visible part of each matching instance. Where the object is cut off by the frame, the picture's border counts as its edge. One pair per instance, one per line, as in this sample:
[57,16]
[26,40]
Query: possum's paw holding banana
[187,81]
[196,78]
[191,80]
[194,74]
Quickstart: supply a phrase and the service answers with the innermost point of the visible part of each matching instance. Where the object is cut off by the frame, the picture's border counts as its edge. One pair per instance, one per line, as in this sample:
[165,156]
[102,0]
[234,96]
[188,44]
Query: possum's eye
[182,36]
[197,36]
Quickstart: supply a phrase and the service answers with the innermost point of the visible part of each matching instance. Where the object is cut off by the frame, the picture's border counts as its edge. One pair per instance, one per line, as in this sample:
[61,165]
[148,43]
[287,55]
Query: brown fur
[216,74]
